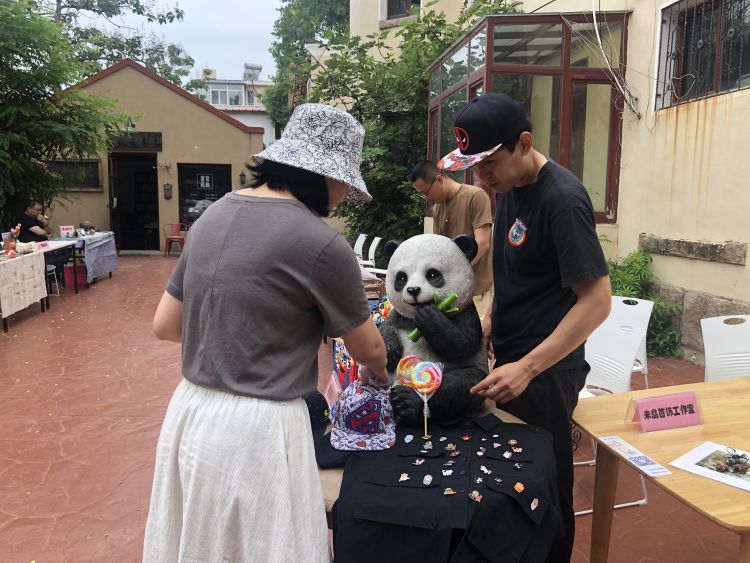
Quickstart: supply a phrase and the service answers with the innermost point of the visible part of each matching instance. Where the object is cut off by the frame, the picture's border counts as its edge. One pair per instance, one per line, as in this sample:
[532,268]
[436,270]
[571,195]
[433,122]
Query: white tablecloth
[22,282]
[100,253]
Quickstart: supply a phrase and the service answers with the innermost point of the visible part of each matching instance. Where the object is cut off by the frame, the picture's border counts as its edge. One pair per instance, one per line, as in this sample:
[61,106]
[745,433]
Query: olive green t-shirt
[261,281]
[466,211]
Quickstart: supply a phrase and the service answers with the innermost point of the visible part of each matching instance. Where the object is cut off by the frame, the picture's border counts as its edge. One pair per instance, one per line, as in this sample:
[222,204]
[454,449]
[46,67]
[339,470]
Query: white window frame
[227,90]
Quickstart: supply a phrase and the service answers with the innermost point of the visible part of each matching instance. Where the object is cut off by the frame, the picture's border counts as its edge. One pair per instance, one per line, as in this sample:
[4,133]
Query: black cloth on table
[379,518]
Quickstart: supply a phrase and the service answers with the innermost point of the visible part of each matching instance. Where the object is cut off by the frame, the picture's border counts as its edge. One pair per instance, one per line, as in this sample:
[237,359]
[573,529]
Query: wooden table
[725,421]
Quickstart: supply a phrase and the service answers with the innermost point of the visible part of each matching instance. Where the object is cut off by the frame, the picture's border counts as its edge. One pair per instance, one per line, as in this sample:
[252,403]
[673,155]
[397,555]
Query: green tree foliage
[39,119]
[99,46]
[632,278]
[300,23]
[387,90]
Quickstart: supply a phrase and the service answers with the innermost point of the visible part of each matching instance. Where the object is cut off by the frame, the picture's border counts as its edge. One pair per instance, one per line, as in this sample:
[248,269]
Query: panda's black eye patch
[435,278]
[401,279]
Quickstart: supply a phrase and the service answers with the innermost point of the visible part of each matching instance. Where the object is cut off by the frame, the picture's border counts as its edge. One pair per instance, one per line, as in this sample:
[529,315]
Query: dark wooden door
[114,212]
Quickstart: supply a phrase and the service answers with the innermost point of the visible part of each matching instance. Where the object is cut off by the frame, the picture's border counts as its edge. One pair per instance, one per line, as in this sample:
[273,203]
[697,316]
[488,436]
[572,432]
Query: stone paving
[84,388]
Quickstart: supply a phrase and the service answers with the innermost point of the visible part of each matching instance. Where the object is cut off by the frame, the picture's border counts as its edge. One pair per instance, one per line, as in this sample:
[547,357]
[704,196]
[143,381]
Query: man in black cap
[550,276]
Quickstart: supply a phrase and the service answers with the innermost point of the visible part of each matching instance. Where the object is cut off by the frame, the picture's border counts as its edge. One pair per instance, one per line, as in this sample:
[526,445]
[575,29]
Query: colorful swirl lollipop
[405,369]
[426,378]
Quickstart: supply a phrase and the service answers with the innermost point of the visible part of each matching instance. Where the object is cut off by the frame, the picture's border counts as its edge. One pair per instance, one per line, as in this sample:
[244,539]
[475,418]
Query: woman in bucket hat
[260,282]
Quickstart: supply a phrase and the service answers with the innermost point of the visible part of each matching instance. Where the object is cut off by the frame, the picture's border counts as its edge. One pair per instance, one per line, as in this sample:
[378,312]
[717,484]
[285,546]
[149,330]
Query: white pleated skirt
[235,480]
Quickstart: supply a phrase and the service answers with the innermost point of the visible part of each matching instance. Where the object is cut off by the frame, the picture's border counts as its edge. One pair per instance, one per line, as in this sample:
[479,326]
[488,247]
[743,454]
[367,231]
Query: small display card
[67,231]
[675,410]
[635,457]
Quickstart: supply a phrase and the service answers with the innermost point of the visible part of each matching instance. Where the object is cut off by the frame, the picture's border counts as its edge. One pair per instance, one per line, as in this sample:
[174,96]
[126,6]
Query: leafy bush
[386,89]
[632,278]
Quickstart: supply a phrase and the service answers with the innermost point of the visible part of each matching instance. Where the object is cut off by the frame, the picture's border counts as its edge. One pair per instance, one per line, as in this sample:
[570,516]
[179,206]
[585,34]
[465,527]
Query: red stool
[174,232]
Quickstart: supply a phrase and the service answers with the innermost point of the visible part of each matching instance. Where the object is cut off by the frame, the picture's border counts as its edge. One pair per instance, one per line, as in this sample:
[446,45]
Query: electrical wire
[620,83]
[598,48]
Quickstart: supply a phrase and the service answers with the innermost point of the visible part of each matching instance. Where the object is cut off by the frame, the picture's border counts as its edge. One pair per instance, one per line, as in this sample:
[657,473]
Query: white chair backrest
[634,311]
[610,351]
[638,313]
[371,251]
[726,343]
[359,245]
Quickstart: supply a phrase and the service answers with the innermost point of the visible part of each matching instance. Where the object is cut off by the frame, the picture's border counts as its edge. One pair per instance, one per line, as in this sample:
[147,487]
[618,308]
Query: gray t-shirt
[261,281]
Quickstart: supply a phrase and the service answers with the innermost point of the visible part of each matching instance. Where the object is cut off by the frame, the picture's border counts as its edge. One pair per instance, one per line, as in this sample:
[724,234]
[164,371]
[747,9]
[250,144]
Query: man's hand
[504,383]
[379,378]
[44,222]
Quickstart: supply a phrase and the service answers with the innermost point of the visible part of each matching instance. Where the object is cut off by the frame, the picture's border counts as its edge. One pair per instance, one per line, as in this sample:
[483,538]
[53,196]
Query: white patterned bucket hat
[324,140]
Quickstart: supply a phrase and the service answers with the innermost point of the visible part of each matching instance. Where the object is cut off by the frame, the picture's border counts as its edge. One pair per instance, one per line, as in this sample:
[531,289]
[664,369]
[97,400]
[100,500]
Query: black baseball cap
[317,405]
[481,126]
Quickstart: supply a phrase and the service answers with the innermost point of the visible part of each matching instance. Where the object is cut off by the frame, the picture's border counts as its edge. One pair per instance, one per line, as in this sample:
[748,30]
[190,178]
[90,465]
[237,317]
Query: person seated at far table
[35,227]
[34,224]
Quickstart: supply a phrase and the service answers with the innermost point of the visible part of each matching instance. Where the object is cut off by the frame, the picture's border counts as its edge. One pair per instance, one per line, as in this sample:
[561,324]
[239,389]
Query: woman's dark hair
[308,187]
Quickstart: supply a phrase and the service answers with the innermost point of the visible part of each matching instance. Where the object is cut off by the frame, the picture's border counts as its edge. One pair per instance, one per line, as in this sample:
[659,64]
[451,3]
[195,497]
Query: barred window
[78,175]
[704,51]
[401,8]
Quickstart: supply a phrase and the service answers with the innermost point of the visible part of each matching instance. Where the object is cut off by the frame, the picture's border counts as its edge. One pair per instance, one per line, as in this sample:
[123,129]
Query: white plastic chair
[52,279]
[610,351]
[359,245]
[638,313]
[380,272]
[726,344]
[371,253]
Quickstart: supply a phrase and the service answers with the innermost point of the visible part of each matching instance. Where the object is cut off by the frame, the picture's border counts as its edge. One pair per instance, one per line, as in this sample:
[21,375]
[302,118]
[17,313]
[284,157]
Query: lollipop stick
[424,412]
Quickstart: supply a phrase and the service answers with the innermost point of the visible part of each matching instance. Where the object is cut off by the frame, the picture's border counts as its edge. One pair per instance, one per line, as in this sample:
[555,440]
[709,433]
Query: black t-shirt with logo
[545,241]
[25,234]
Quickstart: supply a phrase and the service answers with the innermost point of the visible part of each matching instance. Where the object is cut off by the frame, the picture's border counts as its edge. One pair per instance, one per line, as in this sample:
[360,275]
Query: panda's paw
[407,406]
[429,316]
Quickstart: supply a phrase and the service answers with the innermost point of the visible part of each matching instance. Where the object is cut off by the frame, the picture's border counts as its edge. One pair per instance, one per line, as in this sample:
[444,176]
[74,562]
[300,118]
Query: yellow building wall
[578,6]
[84,206]
[367,17]
[682,170]
[683,176]
[190,134]
[364,17]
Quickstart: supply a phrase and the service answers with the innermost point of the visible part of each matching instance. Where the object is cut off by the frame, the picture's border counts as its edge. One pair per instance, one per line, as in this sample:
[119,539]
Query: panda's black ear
[389,248]
[467,245]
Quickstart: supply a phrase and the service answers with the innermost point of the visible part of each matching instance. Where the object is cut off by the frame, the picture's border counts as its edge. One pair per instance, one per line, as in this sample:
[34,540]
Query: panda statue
[418,269]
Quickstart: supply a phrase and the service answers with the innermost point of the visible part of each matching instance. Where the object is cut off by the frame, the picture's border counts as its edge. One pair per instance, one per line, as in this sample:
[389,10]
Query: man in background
[460,209]
[34,225]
